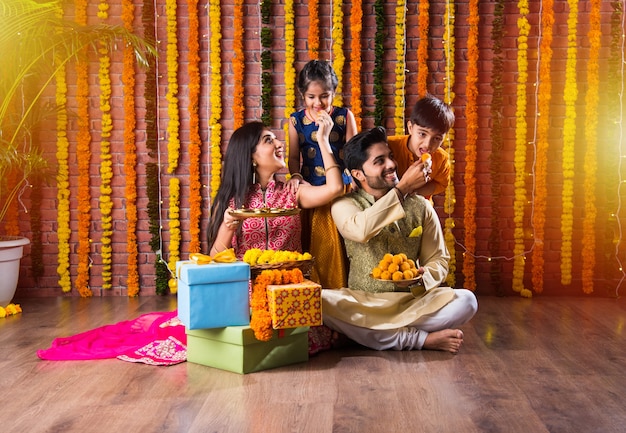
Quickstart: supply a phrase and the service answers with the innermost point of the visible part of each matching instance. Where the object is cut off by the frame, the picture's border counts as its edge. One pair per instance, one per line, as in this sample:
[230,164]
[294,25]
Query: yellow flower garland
[471,115]
[400,67]
[173,144]
[239,64]
[195,143]
[543,127]
[450,199]
[130,155]
[591,143]
[106,160]
[569,138]
[422,49]
[216,95]
[356,28]
[290,70]
[338,58]
[83,151]
[520,150]
[10,310]
[63,184]
[314,29]
[175,235]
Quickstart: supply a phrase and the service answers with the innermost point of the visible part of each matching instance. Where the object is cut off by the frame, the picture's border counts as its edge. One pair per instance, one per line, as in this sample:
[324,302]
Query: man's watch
[417,288]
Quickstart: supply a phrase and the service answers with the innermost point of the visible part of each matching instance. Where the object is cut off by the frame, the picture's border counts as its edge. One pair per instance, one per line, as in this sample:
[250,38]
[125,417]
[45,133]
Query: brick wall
[488,264]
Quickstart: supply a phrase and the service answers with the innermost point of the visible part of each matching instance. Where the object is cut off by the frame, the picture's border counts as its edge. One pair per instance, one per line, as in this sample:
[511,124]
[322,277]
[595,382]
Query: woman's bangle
[331,167]
[297,175]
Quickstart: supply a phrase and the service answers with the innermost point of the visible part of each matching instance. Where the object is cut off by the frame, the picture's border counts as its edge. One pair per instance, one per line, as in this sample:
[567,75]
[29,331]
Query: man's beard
[380,182]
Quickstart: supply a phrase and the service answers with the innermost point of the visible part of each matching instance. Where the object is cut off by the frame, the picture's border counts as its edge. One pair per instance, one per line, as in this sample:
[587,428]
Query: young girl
[317,83]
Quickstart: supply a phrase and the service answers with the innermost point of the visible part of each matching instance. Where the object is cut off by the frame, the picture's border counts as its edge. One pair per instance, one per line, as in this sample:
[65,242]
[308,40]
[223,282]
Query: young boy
[430,121]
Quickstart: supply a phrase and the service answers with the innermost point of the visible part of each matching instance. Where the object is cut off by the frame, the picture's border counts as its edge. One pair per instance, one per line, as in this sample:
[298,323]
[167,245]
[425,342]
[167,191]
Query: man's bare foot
[448,340]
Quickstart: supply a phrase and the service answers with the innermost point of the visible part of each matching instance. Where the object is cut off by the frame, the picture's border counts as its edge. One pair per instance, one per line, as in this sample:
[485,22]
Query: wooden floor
[541,365]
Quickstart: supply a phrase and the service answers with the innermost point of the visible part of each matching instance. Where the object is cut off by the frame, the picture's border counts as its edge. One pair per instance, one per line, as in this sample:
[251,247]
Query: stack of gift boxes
[214,305]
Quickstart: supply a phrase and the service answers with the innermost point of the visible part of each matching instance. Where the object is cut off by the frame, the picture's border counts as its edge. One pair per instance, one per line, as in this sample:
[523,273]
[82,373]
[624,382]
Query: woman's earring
[253,172]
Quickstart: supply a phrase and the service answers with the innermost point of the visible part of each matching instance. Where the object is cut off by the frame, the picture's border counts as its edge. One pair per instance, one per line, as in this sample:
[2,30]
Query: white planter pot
[11,251]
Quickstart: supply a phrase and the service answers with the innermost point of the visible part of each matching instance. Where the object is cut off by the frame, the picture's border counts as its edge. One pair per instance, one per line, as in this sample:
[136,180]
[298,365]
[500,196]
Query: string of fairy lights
[622,150]
[532,143]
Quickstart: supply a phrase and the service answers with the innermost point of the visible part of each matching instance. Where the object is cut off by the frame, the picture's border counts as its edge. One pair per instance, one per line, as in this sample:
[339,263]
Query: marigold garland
[106,160]
[569,138]
[62,178]
[422,49]
[543,128]
[400,68]
[238,64]
[261,320]
[290,70]
[520,150]
[379,52]
[195,143]
[471,115]
[450,198]
[339,59]
[10,310]
[216,95]
[356,28]
[83,151]
[266,62]
[314,29]
[173,124]
[130,155]
[495,158]
[175,235]
[591,143]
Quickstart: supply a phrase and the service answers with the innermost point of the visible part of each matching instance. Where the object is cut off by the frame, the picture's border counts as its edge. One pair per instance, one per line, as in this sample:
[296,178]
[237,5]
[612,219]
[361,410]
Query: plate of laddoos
[265,212]
[396,268]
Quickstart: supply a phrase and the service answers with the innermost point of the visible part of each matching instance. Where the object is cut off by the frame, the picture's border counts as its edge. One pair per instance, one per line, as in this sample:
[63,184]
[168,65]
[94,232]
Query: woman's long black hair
[237,174]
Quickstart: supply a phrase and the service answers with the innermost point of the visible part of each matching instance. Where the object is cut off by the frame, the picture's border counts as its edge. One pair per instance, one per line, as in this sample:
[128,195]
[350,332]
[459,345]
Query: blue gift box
[213,295]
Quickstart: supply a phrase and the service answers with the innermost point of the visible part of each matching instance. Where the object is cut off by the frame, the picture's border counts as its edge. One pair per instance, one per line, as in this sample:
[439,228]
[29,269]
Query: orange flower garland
[238,63]
[261,320]
[520,151]
[471,115]
[130,154]
[591,143]
[290,70]
[314,29]
[216,95]
[569,138]
[543,127]
[173,144]
[450,199]
[83,152]
[356,28]
[195,144]
[174,218]
[422,49]
[400,66]
[106,160]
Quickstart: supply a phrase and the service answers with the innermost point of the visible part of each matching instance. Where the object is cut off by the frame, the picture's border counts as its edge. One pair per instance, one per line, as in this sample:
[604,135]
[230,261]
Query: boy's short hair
[431,112]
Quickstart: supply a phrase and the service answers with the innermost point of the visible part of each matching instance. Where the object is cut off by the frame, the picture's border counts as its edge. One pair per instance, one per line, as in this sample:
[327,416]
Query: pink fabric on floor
[157,338]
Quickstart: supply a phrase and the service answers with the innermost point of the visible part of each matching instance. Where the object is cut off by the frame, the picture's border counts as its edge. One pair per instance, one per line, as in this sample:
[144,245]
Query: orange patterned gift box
[293,305]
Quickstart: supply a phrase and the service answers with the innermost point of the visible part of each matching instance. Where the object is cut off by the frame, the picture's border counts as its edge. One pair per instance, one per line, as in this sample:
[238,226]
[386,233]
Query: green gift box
[236,349]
